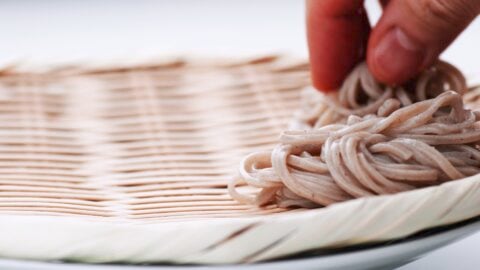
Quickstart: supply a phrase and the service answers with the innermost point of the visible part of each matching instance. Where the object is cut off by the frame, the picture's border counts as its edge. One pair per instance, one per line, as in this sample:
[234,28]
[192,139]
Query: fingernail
[398,57]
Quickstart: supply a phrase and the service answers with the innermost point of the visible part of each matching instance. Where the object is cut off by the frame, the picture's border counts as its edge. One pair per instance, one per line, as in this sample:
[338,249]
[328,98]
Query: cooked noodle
[368,139]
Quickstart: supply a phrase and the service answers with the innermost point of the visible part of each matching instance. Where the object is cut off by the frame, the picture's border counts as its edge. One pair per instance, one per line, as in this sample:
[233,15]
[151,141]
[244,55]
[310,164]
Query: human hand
[408,38]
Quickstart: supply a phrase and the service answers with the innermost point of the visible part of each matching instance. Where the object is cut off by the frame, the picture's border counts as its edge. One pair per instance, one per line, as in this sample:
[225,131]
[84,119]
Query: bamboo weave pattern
[148,142]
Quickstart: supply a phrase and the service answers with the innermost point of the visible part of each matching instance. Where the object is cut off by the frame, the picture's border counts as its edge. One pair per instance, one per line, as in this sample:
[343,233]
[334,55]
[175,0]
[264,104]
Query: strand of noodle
[379,178]
[403,97]
[340,175]
[249,170]
[353,163]
[435,157]
[370,108]
[394,149]
[446,139]
[242,198]
[309,165]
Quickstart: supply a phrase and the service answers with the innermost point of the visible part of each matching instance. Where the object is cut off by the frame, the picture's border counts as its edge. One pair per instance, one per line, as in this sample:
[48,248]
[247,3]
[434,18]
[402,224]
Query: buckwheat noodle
[367,139]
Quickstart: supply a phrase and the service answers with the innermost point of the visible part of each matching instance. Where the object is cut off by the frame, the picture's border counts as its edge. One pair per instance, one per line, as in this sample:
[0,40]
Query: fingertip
[325,86]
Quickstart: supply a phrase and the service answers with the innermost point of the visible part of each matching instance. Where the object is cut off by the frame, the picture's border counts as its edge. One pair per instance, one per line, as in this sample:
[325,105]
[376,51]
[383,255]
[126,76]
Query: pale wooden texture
[150,142]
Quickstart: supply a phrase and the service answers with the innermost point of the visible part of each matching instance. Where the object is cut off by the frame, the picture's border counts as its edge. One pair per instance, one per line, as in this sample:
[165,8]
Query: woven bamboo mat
[150,142]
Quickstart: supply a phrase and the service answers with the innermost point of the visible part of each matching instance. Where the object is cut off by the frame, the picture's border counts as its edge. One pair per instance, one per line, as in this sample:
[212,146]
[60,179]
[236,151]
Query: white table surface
[65,31]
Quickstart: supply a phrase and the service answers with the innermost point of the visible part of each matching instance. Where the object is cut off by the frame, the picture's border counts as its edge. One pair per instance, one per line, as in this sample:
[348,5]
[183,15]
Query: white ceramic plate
[380,256]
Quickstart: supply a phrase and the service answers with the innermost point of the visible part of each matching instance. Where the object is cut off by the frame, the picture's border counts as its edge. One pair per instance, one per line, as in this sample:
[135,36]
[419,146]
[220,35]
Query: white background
[65,31]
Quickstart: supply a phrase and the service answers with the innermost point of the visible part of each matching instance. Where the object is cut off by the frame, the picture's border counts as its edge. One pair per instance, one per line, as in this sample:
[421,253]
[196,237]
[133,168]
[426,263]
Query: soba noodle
[368,139]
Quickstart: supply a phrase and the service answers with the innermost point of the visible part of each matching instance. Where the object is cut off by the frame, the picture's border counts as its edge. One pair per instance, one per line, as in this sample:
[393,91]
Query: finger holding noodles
[360,95]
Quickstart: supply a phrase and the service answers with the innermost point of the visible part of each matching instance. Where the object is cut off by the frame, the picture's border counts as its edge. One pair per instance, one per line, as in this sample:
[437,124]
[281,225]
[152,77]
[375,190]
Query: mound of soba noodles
[367,139]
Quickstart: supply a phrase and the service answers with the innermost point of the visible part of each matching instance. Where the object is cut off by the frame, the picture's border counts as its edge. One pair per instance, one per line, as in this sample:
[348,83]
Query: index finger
[337,34]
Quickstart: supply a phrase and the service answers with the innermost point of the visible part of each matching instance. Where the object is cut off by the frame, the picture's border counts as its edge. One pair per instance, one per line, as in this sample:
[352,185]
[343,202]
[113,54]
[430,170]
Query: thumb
[412,33]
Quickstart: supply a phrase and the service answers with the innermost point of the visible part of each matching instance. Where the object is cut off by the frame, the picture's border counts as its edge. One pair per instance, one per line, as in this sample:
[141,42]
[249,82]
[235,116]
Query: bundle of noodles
[394,140]
[360,95]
